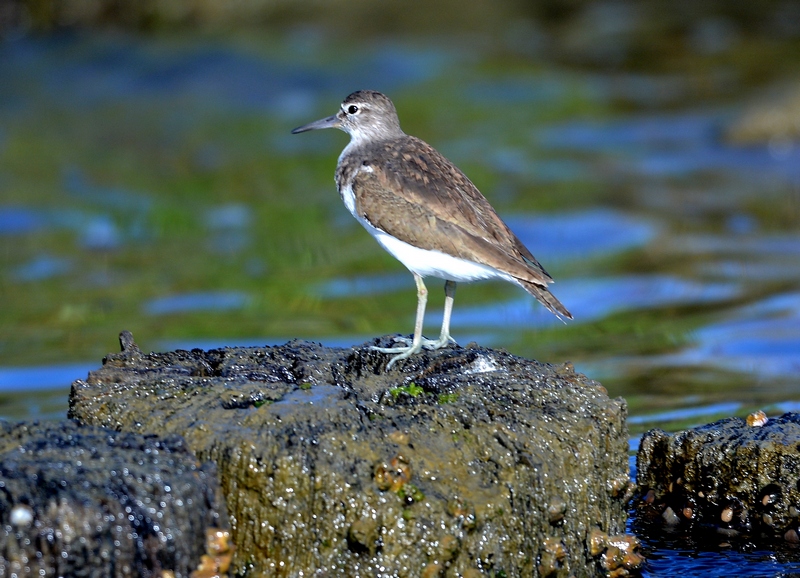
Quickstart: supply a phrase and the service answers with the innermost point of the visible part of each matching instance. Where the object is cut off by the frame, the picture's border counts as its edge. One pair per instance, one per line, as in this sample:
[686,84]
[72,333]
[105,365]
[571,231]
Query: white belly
[424,262]
[427,263]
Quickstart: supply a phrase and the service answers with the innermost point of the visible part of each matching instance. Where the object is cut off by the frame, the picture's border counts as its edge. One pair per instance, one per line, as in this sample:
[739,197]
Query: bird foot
[429,344]
[402,352]
[410,348]
[443,341]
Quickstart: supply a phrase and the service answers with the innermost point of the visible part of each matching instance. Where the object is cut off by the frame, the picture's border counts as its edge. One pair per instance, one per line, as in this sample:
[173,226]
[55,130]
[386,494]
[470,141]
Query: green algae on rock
[89,501]
[367,472]
[735,477]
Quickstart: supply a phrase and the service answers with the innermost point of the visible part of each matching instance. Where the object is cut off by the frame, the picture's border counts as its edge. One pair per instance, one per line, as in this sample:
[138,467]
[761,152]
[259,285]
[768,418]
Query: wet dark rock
[729,478]
[464,461]
[89,501]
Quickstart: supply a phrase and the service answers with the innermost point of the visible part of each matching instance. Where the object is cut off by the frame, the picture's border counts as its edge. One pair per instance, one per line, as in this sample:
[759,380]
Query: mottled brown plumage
[425,211]
[418,196]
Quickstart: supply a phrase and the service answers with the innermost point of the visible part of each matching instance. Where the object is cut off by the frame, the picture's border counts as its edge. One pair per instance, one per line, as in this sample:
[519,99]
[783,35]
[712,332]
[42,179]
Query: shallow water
[153,185]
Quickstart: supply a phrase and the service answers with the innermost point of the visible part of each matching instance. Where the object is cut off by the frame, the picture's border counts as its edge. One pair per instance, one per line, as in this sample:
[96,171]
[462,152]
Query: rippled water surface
[152,185]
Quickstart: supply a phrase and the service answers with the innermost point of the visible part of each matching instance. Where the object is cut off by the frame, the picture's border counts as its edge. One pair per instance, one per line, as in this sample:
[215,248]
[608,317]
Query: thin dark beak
[330,122]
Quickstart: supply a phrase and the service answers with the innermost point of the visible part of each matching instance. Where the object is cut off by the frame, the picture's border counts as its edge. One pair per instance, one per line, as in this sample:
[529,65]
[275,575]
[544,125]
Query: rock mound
[463,461]
[734,477]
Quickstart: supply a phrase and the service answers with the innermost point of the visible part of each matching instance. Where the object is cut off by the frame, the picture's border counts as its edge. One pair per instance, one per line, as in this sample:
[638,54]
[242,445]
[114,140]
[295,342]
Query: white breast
[349,197]
[424,262]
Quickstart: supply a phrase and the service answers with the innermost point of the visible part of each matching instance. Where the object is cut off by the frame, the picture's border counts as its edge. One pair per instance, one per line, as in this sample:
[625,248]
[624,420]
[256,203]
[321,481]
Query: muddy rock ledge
[460,462]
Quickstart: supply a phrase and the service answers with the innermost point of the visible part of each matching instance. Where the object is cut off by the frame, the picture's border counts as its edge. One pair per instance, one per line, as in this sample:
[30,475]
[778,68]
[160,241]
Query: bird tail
[543,295]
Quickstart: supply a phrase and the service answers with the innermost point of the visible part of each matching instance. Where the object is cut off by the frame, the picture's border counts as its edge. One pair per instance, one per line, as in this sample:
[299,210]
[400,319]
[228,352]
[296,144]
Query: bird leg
[416,344]
[444,337]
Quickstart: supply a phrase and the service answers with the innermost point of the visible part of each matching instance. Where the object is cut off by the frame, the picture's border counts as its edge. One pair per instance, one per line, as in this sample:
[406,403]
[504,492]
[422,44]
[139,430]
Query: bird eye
[352,109]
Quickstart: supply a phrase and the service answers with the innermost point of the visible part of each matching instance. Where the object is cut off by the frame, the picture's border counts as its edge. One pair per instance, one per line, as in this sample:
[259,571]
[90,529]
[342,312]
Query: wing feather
[418,196]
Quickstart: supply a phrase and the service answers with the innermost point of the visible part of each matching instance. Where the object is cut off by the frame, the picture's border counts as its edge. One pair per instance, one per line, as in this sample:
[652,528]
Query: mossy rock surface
[456,461]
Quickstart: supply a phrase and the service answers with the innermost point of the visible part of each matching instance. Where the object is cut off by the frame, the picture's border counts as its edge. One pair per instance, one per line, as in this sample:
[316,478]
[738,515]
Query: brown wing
[421,198]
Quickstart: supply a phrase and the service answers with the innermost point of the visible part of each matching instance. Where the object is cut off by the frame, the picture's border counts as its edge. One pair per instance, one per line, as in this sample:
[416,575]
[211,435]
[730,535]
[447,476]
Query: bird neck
[378,130]
[359,142]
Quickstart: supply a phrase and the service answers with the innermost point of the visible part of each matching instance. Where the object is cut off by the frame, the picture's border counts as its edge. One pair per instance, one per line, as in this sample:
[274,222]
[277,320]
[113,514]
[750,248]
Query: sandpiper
[423,210]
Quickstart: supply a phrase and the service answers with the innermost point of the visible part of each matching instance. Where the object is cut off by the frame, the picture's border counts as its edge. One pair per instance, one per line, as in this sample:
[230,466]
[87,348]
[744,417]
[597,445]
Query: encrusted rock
[732,476]
[463,461]
[620,554]
[89,501]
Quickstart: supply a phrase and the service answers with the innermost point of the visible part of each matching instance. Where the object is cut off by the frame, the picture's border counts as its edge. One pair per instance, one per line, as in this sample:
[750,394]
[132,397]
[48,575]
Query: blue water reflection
[224,77]
[203,301]
[78,185]
[762,339]
[591,299]
[38,393]
[19,220]
[42,267]
[761,246]
[676,145]
[364,285]
[634,135]
[43,377]
[696,412]
[558,237]
[228,226]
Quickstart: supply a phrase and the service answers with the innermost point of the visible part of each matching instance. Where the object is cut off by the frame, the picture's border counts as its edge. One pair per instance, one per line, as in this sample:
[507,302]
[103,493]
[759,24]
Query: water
[153,185]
